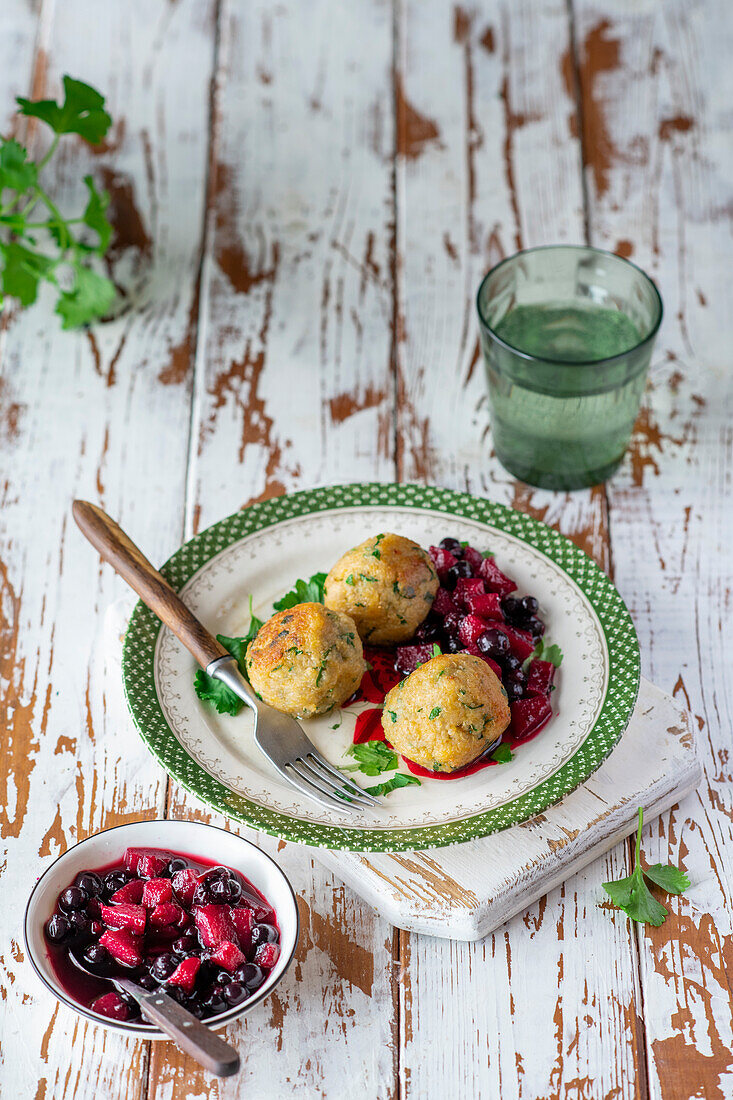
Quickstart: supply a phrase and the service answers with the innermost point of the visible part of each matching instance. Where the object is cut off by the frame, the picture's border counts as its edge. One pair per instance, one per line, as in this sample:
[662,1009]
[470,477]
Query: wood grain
[306,197]
[292,387]
[660,187]
[294,384]
[503,172]
[85,414]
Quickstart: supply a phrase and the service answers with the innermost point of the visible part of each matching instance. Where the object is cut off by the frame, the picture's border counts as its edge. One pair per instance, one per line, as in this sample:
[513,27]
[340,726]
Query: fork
[277,735]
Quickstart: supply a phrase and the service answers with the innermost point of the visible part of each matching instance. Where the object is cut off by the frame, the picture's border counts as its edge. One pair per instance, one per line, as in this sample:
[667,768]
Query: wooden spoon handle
[125,558]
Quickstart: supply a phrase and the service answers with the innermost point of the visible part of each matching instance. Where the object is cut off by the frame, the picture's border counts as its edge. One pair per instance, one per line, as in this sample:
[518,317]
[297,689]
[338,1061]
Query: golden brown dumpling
[306,660]
[387,585]
[447,712]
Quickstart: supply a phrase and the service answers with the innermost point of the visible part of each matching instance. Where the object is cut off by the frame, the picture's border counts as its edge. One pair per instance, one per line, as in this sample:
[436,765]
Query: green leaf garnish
[350,579]
[214,691]
[502,755]
[393,784]
[434,712]
[437,651]
[633,895]
[50,248]
[310,591]
[372,757]
[543,652]
[488,554]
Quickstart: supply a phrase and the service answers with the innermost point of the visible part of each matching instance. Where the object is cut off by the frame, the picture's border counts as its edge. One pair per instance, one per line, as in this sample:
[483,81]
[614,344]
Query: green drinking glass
[567,334]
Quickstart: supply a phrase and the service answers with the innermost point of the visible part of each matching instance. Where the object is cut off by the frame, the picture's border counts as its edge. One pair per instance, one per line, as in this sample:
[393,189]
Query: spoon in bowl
[204,1046]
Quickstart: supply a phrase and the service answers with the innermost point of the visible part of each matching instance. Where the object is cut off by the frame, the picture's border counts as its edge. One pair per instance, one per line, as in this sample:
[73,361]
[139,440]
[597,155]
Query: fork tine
[306,771]
[351,788]
[324,796]
[358,797]
[306,790]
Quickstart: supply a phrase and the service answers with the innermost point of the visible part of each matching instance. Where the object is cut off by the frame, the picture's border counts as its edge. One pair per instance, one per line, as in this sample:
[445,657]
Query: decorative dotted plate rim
[613,718]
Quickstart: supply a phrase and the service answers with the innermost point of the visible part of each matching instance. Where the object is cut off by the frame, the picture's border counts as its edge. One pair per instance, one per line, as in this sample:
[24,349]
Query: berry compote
[200,931]
[476,610]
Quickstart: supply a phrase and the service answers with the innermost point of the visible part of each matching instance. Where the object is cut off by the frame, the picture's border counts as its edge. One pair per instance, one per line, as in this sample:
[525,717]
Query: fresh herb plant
[37,243]
[633,895]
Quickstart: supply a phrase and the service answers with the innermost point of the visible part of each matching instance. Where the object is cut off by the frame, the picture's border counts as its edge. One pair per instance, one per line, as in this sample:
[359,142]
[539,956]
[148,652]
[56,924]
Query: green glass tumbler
[567,334]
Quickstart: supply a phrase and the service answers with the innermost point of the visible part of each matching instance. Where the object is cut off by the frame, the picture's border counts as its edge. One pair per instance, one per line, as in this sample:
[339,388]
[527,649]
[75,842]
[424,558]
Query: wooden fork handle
[153,589]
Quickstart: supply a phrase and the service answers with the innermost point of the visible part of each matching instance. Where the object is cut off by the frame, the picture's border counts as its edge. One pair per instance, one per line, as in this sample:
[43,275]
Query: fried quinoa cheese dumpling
[447,712]
[306,660]
[387,585]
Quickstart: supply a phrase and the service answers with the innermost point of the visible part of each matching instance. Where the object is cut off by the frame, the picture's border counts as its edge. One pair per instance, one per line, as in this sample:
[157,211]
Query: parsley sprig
[212,690]
[48,246]
[544,652]
[375,757]
[633,895]
[372,758]
[393,784]
[310,591]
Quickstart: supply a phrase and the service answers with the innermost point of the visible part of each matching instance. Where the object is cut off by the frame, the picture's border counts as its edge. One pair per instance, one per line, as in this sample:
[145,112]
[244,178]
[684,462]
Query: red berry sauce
[200,931]
[474,612]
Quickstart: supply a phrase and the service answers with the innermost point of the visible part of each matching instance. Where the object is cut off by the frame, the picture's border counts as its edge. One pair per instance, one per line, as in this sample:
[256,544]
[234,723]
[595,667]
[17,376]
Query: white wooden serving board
[466,891]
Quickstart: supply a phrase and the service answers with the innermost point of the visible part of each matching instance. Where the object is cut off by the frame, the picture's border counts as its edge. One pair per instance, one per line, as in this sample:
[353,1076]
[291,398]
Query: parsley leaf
[82,111]
[543,652]
[238,646]
[310,591]
[393,784]
[437,651]
[502,755]
[632,893]
[212,690]
[434,712]
[16,171]
[27,253]
[671,879]
[95,215]
[22,272]
[92,296]
[372,757]
[488,554]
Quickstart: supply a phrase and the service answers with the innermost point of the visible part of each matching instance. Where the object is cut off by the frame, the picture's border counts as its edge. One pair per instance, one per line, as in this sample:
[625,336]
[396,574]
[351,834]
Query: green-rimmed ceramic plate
[261,551]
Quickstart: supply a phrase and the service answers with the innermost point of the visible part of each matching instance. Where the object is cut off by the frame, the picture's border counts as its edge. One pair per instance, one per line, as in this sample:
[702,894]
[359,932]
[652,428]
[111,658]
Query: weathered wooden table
[306,195]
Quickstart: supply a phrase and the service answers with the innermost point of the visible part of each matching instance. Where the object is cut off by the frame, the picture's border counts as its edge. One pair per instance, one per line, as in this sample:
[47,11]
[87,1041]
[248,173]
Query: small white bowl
[191,838]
